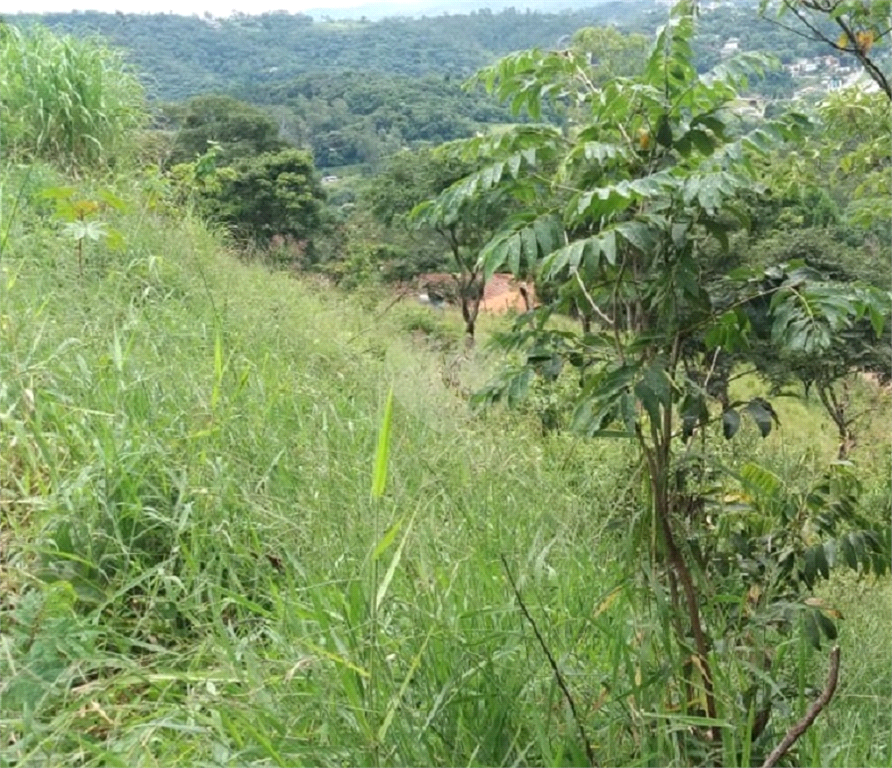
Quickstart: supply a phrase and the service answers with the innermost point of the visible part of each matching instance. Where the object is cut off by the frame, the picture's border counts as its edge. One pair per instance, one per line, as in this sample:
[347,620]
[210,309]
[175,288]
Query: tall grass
[64,99]
[195,570]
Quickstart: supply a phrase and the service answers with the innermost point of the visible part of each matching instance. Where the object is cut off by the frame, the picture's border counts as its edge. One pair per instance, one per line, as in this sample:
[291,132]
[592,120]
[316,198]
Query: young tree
[621,213]
[838,179]
[461,229]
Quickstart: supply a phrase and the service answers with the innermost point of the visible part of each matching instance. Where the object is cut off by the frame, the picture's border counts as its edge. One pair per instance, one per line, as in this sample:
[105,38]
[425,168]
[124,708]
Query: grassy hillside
[191,551]
[195,571]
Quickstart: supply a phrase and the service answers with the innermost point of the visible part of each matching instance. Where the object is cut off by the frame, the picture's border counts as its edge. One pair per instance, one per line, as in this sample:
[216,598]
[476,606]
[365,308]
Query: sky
[185,7]
[219,8]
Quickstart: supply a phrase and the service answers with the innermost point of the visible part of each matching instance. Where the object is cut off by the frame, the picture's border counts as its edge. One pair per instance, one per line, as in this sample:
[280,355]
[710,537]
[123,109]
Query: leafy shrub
[270,200]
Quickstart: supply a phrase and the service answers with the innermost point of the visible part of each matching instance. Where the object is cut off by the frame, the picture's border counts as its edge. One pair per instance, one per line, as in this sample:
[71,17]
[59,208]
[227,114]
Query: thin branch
[805,723]
[861,54]
[586,81]
[557,672]
[677,563]
[853,48]
[606,318]
[818,35]
[711,370]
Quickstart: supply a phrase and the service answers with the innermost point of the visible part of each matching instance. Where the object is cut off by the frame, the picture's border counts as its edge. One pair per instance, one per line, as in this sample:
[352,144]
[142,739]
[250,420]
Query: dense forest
[179,56]
[355,91]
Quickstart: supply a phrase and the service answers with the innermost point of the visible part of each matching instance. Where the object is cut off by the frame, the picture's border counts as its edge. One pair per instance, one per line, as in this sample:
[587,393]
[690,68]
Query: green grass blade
[379,476]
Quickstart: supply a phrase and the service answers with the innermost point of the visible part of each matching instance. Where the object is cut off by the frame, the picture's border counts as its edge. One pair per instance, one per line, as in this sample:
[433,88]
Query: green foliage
[68,100]
[848,26]
[464,225]
[617,210]
[78,219]
[851,150]
[358,92]
[272,195]
[238,129]
[349,117]
[187,56]
[186,445]
[611,53]
[195,571]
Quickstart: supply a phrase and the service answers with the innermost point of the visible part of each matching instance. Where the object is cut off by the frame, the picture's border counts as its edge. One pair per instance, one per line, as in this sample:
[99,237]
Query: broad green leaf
[849,555]
[549,233]
[379,475]
[730,423]
[513,245]
[826,625]
[877,320]
[529,246]
[757,409]
[810,629]
[519,386]
[638,234]
[664,131]
[607,245]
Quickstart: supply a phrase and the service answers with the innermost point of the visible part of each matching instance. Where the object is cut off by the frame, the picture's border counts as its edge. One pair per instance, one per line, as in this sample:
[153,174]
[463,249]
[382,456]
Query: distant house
[329,179]
[503,293]
[731,46]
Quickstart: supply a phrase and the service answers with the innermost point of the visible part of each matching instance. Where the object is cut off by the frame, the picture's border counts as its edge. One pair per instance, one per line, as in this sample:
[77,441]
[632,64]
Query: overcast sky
[186,7]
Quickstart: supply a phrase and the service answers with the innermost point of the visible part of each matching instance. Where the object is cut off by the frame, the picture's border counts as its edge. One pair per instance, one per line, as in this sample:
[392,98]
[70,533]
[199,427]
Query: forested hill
[180,56]
[356,91]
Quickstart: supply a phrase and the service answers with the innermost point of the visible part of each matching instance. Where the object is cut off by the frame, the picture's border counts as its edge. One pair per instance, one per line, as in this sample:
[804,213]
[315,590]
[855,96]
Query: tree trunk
[469,309]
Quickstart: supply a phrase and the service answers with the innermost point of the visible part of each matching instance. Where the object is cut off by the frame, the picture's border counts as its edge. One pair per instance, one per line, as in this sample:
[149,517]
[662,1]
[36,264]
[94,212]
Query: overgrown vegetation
[248,517]
[66,99]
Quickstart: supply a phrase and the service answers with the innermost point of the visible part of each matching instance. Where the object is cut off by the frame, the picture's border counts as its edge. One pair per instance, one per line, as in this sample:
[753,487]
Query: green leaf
[386,539]
[379,475]
[568,256]
[112,200]
[664,131]
[549,233]
[827,625]
[849,555]
[811,630]
[702,141]
[529,247]
[114,240]
[381,592]
[694,413]
[518,387]
[730,423]
[877,320]
[513,246]
[638,234]
[762,413]
[649,401]
[607,246]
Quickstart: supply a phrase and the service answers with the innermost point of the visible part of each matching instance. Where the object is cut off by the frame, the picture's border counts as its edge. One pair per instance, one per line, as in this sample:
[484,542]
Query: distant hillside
[380,10]
[355,91]
[181,56]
